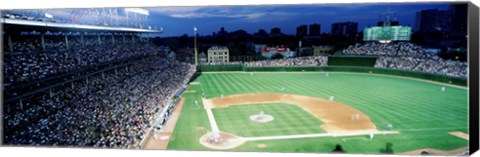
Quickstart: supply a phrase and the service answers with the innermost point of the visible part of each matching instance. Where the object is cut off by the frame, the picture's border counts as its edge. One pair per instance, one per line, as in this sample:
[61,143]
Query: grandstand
[395,55]
[80,84]
[408,56]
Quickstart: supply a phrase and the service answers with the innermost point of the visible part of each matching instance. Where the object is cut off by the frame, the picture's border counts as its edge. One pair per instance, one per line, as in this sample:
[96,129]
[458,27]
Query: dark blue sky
[181,20]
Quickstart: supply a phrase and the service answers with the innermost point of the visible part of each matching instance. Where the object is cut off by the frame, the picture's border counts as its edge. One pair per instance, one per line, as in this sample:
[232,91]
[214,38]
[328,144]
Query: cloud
[175,11]
[248,14]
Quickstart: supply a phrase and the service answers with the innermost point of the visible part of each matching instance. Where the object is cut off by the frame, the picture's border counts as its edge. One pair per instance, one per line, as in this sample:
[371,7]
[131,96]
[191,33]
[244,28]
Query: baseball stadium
[103,84]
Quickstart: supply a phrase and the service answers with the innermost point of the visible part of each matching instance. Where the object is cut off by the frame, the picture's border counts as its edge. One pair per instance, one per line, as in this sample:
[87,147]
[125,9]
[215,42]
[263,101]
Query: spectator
[299,61]
[392,49]
[28,66]
[434,65]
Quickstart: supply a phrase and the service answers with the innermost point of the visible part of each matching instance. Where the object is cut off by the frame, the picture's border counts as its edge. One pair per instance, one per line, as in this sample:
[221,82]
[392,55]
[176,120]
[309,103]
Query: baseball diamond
[410,114]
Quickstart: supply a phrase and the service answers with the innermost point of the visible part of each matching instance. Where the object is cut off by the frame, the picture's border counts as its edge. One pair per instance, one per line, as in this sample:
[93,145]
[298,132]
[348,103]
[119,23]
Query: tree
[277,56]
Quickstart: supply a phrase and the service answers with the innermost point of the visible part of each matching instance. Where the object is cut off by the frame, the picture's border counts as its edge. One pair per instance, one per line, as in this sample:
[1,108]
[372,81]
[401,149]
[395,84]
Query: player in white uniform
[331,98]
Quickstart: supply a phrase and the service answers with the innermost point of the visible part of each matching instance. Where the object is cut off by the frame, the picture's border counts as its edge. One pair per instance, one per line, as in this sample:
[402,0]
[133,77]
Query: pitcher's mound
[226,141]
[261,118]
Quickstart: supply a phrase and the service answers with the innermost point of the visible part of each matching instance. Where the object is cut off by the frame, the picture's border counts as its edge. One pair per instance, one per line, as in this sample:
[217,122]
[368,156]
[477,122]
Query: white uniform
[390,126]
[443,89]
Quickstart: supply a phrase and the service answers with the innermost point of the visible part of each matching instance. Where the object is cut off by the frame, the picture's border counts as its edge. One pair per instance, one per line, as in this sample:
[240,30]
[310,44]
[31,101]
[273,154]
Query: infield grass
[288,120]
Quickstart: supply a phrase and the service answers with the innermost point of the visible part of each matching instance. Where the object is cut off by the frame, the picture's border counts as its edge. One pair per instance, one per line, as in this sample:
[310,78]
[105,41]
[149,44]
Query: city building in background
[432,20]
[314,30]
[345,28]
[301,31]
[458,13]
[275,32]
[221,32]
[322,49]
[218,54]
[452,21]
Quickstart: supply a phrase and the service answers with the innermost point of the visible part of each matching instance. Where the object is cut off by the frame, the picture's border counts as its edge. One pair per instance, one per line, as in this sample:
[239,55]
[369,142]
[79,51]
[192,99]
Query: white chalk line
[211,118]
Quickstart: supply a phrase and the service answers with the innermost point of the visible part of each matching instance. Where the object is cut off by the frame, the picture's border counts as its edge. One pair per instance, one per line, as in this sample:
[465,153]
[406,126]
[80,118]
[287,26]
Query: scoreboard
[391,33]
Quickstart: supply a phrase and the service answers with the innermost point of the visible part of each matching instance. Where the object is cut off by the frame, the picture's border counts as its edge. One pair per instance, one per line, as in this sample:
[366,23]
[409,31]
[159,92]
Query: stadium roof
[69,26]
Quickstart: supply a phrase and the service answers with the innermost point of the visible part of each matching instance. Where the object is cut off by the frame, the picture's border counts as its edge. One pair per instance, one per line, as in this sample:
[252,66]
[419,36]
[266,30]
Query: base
[225,141]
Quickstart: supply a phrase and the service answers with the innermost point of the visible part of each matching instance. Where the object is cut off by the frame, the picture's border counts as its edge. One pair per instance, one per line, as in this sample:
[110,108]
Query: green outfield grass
[419,110]
[288,120]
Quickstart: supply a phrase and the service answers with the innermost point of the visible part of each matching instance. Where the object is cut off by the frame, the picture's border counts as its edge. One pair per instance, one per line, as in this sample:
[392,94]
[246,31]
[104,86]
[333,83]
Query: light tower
[195,44]
[386,26]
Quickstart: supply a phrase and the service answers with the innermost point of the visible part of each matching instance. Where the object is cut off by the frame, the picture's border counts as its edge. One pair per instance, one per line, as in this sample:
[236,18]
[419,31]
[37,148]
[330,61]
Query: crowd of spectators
[28,45]
[433,65]
[392,49]
[298,61]
[113,109]
[221,63]
[408,56]
[31,66]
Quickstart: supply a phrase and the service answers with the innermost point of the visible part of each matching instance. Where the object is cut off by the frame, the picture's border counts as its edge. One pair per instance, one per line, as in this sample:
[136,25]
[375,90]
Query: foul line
[211,118]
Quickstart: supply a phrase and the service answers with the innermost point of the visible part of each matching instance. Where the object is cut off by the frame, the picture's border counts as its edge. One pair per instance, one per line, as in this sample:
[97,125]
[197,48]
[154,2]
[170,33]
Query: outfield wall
[413,74]
[364,61]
